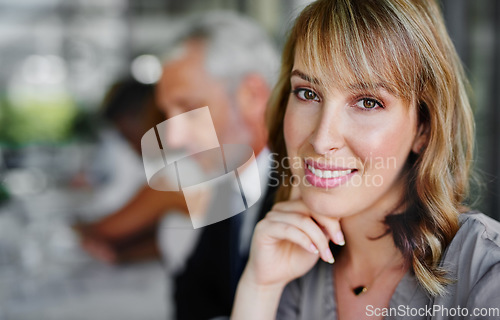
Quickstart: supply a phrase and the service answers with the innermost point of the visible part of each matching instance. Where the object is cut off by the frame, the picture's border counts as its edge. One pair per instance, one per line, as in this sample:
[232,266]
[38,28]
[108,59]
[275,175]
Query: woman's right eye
[306,94]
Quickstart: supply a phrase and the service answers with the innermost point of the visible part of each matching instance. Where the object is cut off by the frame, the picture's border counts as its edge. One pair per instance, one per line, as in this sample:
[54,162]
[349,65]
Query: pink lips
[326,182]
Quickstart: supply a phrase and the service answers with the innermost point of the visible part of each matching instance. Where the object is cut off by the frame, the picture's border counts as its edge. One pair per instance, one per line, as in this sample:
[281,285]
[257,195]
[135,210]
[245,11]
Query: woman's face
[347,147]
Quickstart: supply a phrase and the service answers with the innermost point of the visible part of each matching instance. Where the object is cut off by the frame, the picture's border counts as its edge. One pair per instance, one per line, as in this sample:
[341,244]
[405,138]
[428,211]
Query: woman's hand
[285,245]
[288,242]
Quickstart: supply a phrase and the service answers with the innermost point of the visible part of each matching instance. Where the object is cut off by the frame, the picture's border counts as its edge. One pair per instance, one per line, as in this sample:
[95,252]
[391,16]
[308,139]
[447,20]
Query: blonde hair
[404,45]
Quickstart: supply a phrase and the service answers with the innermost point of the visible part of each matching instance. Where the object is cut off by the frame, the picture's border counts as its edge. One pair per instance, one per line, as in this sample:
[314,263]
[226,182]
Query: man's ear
[421,138]
[253,93]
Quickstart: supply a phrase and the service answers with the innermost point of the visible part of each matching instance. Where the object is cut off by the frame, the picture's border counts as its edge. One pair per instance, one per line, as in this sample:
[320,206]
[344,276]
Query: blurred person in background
[129,234]
[226,62]
[129,105]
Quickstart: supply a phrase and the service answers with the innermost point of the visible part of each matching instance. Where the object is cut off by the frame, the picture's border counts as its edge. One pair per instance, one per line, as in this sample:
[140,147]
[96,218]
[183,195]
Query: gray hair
[235,46]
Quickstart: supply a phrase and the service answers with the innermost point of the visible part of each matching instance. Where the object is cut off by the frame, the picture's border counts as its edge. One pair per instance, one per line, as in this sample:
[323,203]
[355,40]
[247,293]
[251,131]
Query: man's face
[185,85]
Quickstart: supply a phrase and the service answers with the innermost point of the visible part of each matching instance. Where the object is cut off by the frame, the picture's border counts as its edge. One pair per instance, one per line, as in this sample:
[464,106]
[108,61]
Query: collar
[255,186]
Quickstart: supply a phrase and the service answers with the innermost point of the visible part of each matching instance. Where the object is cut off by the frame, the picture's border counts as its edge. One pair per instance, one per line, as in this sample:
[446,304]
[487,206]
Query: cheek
[291,132]
[298,125]
[385,148]
[294,134]
[221,113]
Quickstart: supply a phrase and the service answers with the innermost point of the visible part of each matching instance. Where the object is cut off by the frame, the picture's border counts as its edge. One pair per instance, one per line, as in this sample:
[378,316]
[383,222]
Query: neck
[369,246]
[366,251]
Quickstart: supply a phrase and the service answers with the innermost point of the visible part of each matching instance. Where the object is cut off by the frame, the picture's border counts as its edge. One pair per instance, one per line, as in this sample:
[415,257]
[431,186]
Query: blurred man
[227,63]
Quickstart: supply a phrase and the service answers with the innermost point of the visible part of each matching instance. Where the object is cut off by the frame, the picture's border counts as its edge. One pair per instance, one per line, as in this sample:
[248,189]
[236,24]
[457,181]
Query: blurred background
[63,160]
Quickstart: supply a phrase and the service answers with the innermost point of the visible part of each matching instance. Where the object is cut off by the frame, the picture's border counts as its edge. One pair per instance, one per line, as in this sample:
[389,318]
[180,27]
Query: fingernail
[313,249]
[329,256]
[339,238]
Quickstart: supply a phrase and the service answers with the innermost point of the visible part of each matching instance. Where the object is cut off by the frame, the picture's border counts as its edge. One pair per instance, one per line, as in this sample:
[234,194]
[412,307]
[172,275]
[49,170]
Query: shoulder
[489,227]
[473,258]
[476,244]
[478,235]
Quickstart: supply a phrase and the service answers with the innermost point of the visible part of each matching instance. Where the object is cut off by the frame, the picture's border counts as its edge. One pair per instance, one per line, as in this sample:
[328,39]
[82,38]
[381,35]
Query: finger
[309,227]
[288,232]
[332,227]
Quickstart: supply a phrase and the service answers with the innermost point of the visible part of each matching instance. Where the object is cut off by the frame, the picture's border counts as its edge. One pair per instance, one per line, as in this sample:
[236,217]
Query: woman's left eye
[368,104]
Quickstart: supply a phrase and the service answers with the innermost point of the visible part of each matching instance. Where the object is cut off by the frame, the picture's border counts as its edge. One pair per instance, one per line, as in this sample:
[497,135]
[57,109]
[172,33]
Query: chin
[326,205]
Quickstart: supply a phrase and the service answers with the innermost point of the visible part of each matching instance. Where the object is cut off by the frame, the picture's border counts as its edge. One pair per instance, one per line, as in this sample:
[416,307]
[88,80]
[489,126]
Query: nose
[328,135]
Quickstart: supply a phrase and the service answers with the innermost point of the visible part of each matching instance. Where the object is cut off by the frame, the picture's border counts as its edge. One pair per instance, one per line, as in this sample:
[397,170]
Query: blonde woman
[373,131]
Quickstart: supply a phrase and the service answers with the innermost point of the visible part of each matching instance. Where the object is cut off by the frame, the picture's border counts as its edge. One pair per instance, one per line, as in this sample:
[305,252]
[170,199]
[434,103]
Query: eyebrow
[304,76]
[373,87]
[353,87]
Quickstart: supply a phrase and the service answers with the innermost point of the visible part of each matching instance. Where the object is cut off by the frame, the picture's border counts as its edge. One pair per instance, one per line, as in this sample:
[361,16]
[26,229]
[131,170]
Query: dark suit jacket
[206,287]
